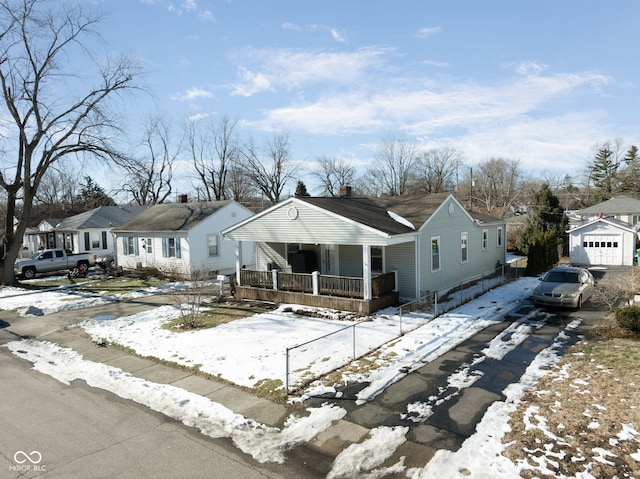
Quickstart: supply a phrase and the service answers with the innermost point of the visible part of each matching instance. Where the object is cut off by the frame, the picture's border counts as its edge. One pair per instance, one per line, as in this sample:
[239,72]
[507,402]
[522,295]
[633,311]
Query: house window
[485,240]
[130,245]
[147,245]
[212,242]
[435,253]
[499,237]
[376,259]
[464,243]
[171,248]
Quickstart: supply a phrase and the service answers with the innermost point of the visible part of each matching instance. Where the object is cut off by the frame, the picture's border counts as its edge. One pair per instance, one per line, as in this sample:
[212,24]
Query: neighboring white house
[182,238]
[623,208]
[605,233]
[603,241]
[87,232]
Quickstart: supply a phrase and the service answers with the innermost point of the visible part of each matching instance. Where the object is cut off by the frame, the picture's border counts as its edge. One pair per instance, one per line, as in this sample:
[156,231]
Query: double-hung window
[485,240]
[130,245]
[212,243]
[435,253]
[499,237]
[171,248]
[464,247]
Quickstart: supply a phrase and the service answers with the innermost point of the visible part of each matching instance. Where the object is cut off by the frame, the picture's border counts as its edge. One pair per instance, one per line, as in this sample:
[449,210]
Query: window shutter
[178,253]
[165,248]
[125,245]
[104,240]
[87,242]
[135,246]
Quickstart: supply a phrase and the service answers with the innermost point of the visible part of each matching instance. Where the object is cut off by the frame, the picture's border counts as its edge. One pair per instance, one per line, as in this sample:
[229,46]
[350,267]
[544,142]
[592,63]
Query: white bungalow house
[372,251]
[621,207]
[87,232]
[605,233]
[182,238]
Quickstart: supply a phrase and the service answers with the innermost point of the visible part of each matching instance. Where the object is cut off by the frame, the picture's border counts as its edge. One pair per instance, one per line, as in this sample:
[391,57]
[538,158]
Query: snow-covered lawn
[249,350]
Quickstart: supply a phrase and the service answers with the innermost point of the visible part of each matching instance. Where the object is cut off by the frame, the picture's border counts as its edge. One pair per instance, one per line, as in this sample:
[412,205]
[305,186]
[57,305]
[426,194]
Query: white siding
[606,244]
[194,246]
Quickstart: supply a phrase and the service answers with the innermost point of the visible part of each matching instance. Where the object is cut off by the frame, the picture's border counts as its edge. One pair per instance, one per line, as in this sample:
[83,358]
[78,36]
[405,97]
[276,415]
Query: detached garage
[603,241]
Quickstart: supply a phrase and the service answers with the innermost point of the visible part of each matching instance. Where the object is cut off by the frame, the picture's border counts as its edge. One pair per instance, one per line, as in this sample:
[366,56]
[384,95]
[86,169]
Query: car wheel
[29,273]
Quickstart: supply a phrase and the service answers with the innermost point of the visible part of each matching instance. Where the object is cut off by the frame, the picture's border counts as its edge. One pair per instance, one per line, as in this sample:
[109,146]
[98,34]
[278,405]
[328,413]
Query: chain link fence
[313,359]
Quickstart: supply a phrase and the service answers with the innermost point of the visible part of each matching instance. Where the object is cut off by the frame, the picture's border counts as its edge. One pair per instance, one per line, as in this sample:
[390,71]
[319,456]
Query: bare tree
[149,176]
[393,166]
[214,150]
[494,185]
[436,170]
[54,111]
[269,168]
[240,188]
[59,185]
[616,290]
[333,173]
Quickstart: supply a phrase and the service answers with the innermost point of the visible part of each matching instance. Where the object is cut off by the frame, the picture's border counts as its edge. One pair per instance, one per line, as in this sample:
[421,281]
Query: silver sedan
[564,286]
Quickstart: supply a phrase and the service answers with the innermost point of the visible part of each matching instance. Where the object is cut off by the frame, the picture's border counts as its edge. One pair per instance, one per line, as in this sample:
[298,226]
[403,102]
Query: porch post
[315,278]
[366,271]
[238,261]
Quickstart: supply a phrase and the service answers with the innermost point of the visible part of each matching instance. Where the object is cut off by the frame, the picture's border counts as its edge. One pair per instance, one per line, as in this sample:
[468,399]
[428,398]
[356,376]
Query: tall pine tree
[546,215]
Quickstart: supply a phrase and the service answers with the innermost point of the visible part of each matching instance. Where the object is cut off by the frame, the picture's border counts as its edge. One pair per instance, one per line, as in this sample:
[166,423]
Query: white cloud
[484,120]
[251,83]
[192,94]
[207,15]
[427,32]
[337,36]
[291,68]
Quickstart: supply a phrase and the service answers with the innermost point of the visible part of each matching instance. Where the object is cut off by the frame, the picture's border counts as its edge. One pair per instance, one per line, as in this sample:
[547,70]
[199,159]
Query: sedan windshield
[561,277]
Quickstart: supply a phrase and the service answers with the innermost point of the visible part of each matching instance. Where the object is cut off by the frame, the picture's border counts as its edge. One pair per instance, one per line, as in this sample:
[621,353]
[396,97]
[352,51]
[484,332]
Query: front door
[329,260]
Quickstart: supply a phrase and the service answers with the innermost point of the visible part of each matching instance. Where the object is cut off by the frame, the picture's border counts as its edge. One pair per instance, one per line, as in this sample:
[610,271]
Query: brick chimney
[345,191]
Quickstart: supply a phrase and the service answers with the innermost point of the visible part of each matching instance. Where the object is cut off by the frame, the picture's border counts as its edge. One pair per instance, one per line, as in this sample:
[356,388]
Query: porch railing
[328,285]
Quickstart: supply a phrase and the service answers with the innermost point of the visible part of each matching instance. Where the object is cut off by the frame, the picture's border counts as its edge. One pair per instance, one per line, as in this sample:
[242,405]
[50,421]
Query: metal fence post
[286,373]
[354,341]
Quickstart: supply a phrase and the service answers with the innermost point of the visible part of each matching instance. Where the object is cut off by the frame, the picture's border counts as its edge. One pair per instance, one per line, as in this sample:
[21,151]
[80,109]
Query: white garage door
[603,249]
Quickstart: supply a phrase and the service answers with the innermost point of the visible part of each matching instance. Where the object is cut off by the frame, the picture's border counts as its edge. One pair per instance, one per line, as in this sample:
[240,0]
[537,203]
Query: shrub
[628,317]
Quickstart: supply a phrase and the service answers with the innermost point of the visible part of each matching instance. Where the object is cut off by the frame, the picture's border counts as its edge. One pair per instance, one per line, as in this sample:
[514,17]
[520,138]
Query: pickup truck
[47,260]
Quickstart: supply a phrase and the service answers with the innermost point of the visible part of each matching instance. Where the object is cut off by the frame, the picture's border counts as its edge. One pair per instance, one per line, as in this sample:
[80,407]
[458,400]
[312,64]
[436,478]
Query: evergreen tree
[546,214]
[301,190]
[543,253]
[604,171]
[630,174]
[92,195]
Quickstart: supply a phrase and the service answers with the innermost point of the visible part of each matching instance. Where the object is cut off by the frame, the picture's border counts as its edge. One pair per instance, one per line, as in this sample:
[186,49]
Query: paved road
[49,429]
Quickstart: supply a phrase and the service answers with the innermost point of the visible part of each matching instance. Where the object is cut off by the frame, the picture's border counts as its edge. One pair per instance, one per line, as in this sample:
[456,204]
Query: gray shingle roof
[172,217]
[616,205]
[373,212]
[101,217]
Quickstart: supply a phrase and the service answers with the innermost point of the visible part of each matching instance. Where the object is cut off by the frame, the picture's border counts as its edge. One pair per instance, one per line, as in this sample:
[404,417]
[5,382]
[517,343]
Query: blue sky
[540,81]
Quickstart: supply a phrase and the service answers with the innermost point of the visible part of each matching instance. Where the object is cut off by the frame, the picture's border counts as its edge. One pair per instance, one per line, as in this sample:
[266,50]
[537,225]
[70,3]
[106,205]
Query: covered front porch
[320,290]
